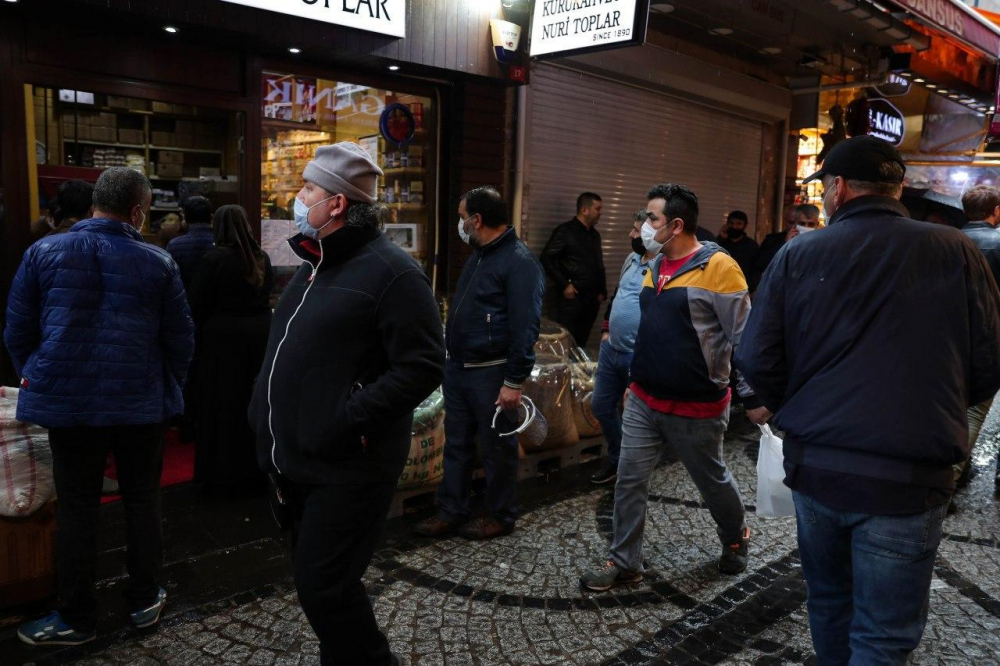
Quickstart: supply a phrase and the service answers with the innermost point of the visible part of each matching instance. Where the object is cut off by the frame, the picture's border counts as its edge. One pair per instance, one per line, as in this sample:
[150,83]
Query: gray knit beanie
[344,168]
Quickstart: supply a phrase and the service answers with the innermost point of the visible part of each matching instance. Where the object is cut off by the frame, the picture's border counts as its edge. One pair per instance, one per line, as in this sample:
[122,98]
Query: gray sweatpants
[646,434]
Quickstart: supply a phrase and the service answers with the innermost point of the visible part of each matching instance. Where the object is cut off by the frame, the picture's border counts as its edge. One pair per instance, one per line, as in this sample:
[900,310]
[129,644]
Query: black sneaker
[607,474]
[735,555]
[609,575]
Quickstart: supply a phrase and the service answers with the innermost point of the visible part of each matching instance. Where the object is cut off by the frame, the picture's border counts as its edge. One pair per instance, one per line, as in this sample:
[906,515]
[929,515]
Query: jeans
[610,382]
[868,579]
[470,397]
[646,434]
[976,416]
[79,455]
[335,532]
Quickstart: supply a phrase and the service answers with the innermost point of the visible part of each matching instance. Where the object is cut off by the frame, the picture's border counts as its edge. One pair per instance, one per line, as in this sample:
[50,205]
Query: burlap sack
[582,387]
[425,464]
[549,388]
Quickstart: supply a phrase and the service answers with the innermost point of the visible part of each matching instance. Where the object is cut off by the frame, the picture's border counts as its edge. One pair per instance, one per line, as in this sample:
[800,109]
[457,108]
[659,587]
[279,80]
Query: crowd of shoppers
[874,346]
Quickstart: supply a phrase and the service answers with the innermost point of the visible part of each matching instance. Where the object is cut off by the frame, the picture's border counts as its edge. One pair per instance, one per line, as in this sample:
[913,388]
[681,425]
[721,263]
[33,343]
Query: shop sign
[885,121]
[570,27]
[386,17]
[895,86]
[953,17]
[307,100]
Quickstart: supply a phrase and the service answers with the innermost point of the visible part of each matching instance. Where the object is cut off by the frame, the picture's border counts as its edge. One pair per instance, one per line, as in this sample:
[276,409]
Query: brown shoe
[436,527]
[485,528]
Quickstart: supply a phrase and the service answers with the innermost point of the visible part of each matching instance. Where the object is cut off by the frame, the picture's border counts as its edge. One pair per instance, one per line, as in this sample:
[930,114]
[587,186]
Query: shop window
[183,149]
[396,128]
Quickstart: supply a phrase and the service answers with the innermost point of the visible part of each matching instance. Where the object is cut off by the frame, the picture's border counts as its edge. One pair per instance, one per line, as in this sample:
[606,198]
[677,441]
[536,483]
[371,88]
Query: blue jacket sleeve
[23,332]
[525,288]
[761,355]
[176,327]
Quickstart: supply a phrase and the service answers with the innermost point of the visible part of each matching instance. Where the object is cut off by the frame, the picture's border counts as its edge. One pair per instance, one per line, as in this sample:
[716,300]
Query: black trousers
[78,458]
[578,315]
[335,533]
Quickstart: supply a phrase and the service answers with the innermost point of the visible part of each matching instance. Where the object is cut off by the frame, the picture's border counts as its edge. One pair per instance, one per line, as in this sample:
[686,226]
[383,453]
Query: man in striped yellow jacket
[694,304]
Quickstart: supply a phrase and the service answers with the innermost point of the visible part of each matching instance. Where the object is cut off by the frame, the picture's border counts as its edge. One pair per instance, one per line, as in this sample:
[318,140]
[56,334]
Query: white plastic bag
[774,498]
[25,461]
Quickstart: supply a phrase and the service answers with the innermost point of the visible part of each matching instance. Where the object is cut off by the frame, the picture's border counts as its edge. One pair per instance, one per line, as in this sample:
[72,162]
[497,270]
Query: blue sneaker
[147,617]
[51,630]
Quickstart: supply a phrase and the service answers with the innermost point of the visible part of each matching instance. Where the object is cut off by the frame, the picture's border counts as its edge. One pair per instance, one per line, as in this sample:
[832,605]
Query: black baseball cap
[859,158]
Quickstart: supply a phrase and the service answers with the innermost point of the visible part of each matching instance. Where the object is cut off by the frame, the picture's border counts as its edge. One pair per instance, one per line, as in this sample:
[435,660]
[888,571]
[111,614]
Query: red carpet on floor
[178,464]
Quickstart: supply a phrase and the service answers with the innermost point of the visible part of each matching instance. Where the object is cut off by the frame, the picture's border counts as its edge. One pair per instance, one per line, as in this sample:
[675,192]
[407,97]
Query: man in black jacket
[869,340]
[492,329]
[573,259]
[735,241]
[355,346]
[982,205]
[804,219]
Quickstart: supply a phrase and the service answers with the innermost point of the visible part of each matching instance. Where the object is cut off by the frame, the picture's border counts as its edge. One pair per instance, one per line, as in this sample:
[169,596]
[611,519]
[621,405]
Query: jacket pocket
[323,427]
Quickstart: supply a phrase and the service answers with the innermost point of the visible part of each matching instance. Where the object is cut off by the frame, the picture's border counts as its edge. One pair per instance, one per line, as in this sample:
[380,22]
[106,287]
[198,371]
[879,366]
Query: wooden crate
[27,557]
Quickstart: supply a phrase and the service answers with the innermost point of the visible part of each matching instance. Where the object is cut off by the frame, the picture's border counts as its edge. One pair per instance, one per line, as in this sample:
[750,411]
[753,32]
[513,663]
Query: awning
[958,20]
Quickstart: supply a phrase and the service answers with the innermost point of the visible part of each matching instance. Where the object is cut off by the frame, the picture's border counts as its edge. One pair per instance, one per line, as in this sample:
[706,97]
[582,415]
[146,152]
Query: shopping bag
[25,461]
[774,498]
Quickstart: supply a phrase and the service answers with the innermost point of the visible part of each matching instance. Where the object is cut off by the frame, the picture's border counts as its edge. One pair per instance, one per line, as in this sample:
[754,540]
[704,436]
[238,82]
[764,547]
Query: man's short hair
[890,183]
[738,215]
[807,210]
[75,199]
[197,210]
[120,189]
[681,203]
[488,204]
[585,200]
[980,201]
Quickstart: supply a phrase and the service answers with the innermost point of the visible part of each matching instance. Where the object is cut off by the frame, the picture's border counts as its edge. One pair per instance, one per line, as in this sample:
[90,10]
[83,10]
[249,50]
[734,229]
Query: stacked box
[171,157]
[164,139]
[116,102]
[169,170]
[132,136]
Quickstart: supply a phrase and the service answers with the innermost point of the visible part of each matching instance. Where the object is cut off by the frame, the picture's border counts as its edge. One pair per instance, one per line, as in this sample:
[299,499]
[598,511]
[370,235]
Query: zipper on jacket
[489,330]
[454,312]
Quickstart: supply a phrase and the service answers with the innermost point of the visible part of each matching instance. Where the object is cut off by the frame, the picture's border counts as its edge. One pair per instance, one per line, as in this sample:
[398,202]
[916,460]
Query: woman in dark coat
[229,300]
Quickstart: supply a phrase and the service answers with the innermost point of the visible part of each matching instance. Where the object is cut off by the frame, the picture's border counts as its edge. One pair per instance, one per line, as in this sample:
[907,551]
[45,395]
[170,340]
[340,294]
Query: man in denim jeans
[869,339]
[694,304]
[621,324]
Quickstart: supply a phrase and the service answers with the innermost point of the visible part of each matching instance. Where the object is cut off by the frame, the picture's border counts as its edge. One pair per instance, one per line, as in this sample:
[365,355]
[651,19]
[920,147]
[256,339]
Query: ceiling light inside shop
[931,86]
[721,31]
[663,7]
[393,68]
[293,49]
[771,50]
[918,80]
[169,28]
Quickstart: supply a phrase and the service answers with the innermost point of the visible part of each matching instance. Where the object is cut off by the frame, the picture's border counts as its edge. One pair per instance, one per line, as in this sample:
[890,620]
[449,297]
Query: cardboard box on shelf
[138,104]
[169,170]
[68,130]
[182,109]
[103,134]
[185,140]
[133,136]
[163,139]
[106,119]
[117,102]
[171,157]
[162,107]
[209,172]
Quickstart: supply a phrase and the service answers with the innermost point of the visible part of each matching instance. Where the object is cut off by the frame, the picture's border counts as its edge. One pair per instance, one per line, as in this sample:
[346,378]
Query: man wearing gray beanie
[356,344]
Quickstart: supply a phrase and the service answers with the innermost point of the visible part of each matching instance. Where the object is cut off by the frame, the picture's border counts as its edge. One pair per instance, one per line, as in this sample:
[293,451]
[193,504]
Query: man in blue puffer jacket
[101,335]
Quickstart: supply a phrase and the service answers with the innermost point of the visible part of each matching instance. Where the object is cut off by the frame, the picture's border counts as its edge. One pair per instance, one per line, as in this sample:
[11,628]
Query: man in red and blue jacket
[694,305]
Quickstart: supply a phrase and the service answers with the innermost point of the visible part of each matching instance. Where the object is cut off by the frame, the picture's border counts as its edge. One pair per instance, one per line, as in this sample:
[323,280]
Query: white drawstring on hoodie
[274,361]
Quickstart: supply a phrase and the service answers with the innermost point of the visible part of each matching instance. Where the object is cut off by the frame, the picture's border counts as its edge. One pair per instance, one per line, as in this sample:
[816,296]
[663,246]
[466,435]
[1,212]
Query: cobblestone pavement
[516,600]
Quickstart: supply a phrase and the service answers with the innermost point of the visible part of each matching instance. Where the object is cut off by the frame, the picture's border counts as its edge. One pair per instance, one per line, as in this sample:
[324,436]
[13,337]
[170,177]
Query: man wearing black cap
[868,340]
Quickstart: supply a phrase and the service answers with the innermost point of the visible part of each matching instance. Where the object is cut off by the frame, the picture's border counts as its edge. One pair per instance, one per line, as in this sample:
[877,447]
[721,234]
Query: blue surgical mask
[462,233]
[302,218]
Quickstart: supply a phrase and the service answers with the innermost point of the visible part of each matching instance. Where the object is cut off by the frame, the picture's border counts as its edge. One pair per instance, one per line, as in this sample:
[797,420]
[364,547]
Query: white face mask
[826,202]
[648,234]
[462,233]
[804,230]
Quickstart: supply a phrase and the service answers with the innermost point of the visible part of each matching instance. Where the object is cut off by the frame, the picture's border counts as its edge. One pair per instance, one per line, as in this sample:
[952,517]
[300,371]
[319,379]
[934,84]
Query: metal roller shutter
[589,133]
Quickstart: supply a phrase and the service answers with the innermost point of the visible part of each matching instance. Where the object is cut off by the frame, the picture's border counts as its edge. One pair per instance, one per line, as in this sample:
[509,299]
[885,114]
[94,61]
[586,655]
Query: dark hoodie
[364,349]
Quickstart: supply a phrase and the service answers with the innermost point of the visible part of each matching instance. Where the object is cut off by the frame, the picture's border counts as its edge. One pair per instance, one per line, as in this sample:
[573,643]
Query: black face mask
[638,247]
[735,235]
